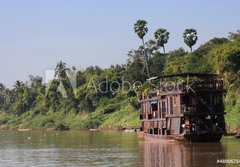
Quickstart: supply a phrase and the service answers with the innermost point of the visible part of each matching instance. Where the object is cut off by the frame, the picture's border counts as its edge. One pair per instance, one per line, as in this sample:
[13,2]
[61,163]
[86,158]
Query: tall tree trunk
[191,48]
[164,49]
[146,58]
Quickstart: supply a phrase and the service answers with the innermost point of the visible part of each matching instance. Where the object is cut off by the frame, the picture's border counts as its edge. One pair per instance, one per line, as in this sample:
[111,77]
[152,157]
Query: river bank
[123,118]
[106,128]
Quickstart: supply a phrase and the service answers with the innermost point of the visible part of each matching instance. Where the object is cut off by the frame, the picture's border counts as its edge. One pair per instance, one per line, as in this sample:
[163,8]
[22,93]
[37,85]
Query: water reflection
[170,154]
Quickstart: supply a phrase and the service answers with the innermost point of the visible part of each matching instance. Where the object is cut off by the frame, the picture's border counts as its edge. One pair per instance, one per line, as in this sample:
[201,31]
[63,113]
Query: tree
[151,47]
[190,37]
[60,70]
[140,28]
[18,86]
[2,95]
[157,64]
[135,67]
[226,60]
[161,36]
[175,62]
[18,95]
[35,82]
[234,35]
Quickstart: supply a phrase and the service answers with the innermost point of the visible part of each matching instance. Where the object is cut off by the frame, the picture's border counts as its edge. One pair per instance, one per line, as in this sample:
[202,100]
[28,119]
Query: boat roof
[189,74]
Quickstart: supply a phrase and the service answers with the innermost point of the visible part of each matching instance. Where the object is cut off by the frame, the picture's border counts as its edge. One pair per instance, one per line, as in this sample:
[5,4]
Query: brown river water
[105,149]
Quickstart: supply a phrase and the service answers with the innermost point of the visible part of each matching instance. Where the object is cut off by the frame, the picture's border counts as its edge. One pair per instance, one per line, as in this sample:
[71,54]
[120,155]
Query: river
[103,148]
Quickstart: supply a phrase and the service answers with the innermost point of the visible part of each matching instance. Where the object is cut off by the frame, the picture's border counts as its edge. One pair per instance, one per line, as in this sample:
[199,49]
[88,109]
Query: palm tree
[18,86]
[2,95]
[60,70]
[190,37]
[2,87]
[140,28]
[17,94]
[161,36]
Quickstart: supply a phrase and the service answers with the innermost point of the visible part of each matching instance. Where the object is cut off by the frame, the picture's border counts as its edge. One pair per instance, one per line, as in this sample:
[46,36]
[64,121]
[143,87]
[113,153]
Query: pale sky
[35,35]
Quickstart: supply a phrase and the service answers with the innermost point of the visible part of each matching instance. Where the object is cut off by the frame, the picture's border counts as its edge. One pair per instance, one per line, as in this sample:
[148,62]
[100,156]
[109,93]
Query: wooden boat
[189,110]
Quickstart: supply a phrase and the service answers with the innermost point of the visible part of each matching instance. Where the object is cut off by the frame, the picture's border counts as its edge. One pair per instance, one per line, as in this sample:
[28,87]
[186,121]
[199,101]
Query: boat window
[163,106]
[171,105]
[154,107]
[164,109]
[185,100]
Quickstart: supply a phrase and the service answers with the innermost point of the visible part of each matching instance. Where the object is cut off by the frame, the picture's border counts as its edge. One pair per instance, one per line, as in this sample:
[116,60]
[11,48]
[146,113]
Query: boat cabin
[187,104]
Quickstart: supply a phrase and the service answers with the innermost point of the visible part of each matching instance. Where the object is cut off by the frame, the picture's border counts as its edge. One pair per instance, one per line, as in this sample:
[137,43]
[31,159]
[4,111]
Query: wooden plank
[175,125]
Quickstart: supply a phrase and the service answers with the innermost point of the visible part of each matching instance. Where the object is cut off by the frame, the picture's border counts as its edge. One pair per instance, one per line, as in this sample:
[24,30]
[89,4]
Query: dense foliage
[104,97]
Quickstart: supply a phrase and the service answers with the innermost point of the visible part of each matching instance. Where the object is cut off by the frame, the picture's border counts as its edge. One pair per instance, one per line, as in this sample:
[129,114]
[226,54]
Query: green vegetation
[190,37]
[161,36]
[100,101]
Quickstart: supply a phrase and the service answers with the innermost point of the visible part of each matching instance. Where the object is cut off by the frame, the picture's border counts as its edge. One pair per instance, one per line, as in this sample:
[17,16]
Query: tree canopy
[190,37]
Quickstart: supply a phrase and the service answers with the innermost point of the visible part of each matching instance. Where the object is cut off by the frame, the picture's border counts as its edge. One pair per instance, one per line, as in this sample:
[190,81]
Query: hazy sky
[34,35]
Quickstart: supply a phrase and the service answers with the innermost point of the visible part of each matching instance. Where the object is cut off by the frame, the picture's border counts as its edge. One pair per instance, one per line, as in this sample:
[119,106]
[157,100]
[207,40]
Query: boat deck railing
[184,87]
